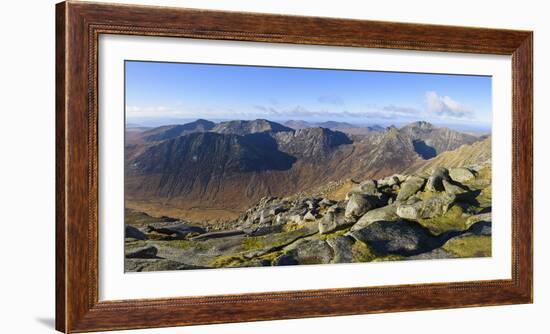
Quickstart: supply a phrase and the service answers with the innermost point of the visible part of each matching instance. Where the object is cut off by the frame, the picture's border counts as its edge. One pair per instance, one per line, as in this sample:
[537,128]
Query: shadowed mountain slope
[238,162]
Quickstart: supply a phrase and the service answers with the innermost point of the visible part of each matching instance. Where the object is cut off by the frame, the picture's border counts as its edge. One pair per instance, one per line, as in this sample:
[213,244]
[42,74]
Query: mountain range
[228,166]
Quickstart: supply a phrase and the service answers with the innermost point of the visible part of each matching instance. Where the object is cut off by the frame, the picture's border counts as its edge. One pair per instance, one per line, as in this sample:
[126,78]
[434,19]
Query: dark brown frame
[78,26]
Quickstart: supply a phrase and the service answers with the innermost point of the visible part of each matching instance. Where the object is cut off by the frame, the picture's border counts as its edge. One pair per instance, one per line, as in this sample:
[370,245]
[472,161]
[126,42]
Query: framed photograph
[223,166]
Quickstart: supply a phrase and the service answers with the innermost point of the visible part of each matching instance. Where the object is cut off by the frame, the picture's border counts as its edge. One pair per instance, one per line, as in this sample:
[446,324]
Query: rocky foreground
[445,213]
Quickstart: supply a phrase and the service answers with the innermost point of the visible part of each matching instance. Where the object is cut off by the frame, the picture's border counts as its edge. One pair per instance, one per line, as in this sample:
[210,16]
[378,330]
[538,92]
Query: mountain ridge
[238,162]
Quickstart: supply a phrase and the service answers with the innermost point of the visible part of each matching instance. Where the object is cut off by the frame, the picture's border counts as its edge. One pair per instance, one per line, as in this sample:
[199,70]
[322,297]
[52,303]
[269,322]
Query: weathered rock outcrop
[461,174]
[333,220]
[402,237]
[385,213]
[399,217]
[411,186]
[146,252]
[429,208]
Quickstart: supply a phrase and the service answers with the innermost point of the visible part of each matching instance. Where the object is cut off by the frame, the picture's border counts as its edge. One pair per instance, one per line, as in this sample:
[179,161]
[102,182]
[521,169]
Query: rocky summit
[434,213]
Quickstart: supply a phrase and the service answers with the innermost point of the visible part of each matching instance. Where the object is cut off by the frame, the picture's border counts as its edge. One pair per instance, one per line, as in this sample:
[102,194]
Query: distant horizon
[153,123]
[158,92]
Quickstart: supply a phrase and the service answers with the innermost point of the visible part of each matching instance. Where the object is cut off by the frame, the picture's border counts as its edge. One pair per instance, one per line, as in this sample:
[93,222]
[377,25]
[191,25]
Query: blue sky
[158,91]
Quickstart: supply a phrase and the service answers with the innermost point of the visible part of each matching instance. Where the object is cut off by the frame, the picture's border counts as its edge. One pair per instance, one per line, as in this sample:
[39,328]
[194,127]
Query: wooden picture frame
[78,26]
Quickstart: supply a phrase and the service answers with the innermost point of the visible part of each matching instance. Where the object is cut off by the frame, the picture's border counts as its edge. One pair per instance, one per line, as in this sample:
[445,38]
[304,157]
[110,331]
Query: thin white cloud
[331,99]
[386,112]
[446,107]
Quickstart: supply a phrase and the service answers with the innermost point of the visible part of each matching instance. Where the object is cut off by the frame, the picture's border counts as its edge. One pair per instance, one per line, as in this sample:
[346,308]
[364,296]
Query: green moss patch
[451,220]
[389,257]
[469,246]
[361,252]
[185,244]
[274,241]
[229,261]
[333,234]
[134,243]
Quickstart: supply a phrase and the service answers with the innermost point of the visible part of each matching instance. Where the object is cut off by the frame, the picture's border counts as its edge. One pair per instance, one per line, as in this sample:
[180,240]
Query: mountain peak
[423,125]
[172,131]
[240,127]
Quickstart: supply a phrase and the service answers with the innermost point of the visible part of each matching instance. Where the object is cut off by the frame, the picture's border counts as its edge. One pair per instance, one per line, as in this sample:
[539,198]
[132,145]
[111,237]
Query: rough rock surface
[359,204]
[432,207]
[177,230]
[461,174]
[146,252]
[437,215]
[454,189]
[410,187]
[486,217]
[385,213]
[402,237]
[332,221]
[341,248]
[306,252]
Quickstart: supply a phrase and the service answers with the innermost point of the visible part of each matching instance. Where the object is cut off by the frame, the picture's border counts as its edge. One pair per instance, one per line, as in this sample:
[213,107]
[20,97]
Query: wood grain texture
[78,27]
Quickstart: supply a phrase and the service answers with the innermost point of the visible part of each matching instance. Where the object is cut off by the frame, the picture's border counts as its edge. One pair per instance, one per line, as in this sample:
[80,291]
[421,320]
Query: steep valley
[207,172]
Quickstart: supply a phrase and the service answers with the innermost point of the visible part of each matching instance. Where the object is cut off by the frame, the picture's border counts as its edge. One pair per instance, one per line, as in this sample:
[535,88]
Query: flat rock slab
[178,230]
[217,234]
[145,252]
[138,265]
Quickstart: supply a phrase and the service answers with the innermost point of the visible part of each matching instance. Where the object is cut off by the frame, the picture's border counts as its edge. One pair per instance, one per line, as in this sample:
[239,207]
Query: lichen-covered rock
[367,187]
[461,174]
[486,217]
[306,252]
[263,230]
[434,206]
[137,265]
[341,248]
[401,237]
[411,186]
[145,252]
[435,181]
[359,204]
[332,221]
[385,213]
[175,230]
[435,254]
[469,246]
[390,181]
[217,234]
